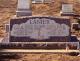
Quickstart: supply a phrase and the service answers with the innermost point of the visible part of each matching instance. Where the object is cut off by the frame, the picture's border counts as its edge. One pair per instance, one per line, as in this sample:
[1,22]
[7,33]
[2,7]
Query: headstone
[7,27]
[67,10]
[39,29]
[24,8]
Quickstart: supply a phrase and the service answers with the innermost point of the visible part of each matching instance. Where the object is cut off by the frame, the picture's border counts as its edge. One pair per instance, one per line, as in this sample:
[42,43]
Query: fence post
[67,47]
[78,46]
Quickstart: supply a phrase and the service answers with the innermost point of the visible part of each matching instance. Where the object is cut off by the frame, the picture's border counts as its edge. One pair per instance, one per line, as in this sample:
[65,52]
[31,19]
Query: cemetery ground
[7,10]
[41,57]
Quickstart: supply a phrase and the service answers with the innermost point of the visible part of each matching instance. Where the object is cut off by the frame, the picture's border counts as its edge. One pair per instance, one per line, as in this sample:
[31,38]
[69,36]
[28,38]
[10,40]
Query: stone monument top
[67,9]
[23,4]
[24,8]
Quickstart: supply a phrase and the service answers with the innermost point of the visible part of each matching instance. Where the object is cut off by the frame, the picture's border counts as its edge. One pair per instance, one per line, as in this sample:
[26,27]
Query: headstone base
[25,12]
[67,14]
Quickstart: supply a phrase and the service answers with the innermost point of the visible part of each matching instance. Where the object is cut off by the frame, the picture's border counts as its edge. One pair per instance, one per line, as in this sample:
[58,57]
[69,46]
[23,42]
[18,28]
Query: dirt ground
[8,10]
[49,57]
[42,57]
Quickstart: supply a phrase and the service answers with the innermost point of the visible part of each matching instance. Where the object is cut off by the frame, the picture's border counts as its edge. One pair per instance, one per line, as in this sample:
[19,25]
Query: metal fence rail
[36,51]
[40,50]
[66,44]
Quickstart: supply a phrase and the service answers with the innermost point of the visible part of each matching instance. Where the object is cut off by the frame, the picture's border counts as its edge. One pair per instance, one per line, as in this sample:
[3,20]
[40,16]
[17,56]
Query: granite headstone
[39,29]
[67,9]
[24,8]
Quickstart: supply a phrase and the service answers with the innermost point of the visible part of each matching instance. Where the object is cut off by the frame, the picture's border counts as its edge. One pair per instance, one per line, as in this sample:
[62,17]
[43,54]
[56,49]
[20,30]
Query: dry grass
[7,10]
